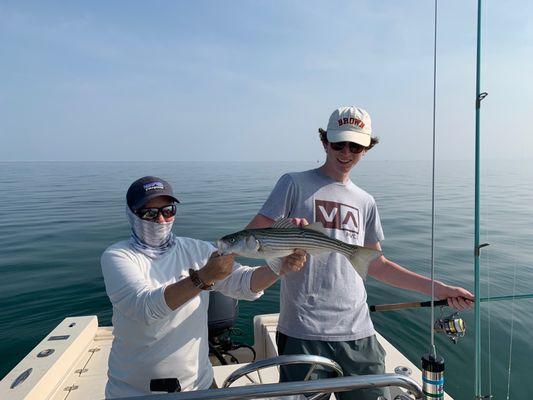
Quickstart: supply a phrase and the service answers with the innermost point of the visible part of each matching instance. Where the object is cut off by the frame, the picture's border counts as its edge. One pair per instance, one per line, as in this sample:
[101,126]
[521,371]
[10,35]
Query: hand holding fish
[218,267]
[293,262]
[458,298]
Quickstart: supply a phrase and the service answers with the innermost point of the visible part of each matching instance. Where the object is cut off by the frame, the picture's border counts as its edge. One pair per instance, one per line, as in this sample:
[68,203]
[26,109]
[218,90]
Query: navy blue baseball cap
[147,188]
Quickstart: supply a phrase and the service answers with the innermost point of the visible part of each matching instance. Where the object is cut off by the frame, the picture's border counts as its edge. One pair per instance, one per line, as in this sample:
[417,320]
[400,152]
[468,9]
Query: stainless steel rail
[306,359]
[331,385]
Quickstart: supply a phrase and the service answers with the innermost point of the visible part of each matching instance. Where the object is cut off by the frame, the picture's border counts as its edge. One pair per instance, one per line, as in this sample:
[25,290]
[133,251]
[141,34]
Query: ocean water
[57,218]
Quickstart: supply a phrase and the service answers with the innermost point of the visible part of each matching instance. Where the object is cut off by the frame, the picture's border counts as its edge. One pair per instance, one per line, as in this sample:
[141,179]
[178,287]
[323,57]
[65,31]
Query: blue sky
[253,80]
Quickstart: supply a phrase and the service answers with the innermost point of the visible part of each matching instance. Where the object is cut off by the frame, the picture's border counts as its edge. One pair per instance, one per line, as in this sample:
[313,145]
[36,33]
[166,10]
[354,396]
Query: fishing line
[432,328]
[489,310]
[486,217]
[512,328]
[433,365]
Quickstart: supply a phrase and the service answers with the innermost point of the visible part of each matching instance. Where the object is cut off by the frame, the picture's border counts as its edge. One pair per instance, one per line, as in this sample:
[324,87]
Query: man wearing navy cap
[158,284]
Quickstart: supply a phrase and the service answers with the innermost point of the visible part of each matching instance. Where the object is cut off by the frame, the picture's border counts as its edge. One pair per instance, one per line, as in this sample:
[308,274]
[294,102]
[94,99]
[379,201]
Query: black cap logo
[153,186]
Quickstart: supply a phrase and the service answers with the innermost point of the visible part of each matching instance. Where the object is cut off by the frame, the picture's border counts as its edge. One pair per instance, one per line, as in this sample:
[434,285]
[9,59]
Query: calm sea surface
[57,218]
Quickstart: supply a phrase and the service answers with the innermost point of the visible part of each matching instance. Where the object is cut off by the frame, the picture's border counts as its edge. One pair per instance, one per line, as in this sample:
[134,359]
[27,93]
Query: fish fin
[316,226]
[361,258]
[284,223]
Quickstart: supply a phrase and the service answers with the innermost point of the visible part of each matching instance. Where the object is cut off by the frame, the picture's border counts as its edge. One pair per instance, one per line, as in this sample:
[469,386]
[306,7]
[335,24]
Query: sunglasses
[151,214]
[354,147]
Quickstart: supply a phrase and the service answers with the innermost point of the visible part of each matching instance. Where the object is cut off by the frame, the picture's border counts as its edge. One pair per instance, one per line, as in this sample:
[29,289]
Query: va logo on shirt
[337,215]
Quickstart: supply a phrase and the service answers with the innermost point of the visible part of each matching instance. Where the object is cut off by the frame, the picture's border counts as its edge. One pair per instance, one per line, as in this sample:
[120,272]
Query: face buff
[150,238]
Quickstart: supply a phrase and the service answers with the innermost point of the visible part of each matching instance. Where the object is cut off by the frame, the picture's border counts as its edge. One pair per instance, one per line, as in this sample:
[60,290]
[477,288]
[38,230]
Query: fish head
[242,243]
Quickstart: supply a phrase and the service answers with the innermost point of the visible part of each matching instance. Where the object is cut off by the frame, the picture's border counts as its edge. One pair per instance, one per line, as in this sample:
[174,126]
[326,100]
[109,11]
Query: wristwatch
[197,281]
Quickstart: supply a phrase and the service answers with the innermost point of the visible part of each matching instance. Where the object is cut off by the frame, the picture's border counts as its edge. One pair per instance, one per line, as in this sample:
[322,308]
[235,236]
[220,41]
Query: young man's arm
[396,275]
[263,277]
[260,221]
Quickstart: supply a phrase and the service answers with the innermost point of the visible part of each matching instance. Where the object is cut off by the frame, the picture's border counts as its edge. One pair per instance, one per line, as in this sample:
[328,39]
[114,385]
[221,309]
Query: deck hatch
[60,337]
[21,378]
[45,353]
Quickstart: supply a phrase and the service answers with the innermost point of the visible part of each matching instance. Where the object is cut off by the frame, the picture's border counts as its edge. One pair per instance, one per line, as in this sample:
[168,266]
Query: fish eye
[232,240]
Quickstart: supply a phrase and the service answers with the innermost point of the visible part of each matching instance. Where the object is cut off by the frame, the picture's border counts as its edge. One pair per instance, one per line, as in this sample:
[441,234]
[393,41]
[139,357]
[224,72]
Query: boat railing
[262,391]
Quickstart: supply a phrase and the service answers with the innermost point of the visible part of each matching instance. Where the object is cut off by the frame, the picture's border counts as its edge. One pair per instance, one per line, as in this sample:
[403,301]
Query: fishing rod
[444,302]
[452,326]
[477,178]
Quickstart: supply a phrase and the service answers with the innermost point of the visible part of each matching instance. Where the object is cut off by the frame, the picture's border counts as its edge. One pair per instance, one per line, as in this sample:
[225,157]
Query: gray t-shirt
[326,300]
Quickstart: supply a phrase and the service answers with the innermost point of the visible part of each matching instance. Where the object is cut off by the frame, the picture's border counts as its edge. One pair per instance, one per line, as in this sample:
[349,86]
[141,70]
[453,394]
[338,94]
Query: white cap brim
[349,136]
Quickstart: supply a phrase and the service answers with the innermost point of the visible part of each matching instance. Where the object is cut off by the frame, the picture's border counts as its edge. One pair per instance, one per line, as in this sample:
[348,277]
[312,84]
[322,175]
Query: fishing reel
[452,326]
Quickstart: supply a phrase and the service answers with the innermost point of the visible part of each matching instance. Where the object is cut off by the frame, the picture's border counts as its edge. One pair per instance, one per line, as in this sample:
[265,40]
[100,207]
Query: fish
[284,236]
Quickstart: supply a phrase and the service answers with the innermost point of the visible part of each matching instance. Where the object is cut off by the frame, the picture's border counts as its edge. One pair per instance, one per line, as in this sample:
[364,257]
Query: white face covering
[149,237]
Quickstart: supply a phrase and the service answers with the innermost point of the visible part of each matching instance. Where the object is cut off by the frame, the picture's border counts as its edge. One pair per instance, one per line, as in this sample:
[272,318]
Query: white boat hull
[77,367]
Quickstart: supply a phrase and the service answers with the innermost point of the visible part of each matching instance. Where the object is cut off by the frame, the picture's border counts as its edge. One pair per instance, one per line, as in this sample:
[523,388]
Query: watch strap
[197,281]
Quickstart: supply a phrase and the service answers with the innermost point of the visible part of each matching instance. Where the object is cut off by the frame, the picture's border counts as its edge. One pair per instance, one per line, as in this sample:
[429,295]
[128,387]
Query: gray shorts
[356,357]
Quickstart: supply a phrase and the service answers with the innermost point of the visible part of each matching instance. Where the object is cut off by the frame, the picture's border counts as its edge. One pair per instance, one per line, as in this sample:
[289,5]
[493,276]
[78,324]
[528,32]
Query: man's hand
[293,262]
[458,298]
[217,268]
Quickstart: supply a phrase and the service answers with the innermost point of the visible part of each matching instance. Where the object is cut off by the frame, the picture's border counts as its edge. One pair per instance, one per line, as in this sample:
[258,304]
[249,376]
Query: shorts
[356,357]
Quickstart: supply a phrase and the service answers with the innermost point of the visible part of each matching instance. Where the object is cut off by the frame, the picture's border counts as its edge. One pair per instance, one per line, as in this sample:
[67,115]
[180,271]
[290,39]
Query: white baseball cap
[350,124]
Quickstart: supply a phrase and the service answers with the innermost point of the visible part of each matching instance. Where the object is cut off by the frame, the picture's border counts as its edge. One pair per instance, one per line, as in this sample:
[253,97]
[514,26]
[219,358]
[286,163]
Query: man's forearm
[178,293]
[395,275]
[260,221]
[262,278]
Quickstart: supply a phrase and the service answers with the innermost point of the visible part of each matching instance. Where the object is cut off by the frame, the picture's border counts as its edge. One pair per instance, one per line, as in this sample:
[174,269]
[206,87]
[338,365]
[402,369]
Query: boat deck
[70,363]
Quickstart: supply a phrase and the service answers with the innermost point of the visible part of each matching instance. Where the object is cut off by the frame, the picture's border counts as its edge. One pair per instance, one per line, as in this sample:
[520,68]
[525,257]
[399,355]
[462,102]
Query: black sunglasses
[354,147]
[151,214]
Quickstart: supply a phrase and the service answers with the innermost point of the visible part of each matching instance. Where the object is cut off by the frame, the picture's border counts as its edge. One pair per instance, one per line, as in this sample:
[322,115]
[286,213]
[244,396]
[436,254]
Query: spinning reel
[452,326]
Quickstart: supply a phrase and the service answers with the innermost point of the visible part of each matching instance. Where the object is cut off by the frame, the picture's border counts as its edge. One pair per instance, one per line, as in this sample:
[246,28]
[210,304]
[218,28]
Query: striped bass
[283,237]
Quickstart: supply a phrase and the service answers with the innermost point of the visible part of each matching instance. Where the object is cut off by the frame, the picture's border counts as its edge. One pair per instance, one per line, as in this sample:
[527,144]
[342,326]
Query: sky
[254,80]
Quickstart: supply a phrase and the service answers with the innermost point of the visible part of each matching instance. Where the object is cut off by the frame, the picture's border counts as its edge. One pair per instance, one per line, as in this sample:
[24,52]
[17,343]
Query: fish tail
[361,258]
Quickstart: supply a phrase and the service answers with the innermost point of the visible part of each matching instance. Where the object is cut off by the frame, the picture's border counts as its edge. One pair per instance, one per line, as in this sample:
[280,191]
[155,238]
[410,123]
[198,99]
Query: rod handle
[401,306]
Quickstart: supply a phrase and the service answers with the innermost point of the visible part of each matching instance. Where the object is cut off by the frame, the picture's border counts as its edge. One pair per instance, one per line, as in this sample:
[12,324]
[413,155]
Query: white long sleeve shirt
[151,340]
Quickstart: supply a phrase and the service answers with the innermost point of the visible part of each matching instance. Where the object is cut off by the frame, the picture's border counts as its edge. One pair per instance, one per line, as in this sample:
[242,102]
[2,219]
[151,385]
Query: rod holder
[432,377]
